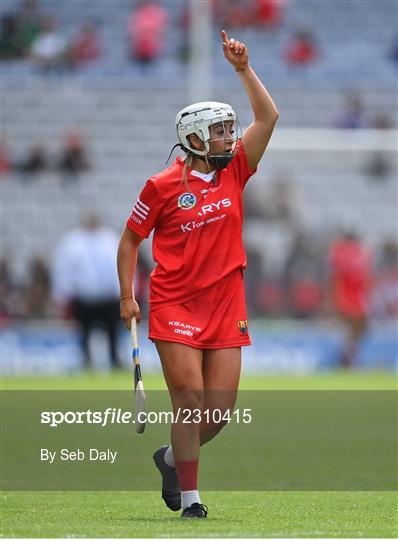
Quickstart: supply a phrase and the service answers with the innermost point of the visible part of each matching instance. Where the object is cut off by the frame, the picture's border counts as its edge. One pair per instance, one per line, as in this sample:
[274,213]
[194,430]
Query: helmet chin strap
[172,150]
[220,161]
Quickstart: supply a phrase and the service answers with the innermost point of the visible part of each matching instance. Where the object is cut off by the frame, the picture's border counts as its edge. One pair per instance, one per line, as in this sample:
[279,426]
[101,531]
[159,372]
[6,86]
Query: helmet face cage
[227,132]
[210,122]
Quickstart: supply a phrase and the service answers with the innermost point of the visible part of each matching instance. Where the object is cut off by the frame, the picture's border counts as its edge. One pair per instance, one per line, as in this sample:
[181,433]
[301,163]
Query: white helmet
[197,118]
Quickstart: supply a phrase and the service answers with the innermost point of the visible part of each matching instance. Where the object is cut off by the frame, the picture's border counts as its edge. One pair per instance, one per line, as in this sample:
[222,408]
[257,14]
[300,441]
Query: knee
[188,399]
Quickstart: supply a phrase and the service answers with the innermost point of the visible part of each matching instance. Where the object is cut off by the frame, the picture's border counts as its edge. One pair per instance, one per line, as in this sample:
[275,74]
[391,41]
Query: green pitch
[231,514]
[143,514]
[123,380]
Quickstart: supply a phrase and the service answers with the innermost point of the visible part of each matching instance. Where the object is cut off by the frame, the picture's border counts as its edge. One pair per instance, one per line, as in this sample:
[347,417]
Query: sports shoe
[196,510]
[171,493]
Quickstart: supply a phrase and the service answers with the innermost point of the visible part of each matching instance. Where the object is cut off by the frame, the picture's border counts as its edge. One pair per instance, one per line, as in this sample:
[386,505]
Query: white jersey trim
[144,206]
[136,211]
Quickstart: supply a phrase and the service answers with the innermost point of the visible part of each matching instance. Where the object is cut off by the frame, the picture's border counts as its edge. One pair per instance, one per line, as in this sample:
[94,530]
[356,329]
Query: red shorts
[215,319]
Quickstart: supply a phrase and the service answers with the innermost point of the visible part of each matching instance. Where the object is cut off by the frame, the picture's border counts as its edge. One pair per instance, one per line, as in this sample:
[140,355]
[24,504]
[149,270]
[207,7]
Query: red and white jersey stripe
[141,209]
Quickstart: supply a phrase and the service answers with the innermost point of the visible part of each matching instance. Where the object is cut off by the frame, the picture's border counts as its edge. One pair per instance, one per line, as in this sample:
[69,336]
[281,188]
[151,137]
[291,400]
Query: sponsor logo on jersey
[210,190]
[243,327]
[191,225]
[140,209]
[212,207]
[183,328]
[186,201]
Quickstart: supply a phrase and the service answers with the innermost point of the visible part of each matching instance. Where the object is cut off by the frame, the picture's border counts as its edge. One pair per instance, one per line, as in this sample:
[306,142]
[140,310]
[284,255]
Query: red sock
[187,472]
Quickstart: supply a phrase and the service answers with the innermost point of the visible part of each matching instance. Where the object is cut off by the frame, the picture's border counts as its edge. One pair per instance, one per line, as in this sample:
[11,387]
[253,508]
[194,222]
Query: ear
[196,142]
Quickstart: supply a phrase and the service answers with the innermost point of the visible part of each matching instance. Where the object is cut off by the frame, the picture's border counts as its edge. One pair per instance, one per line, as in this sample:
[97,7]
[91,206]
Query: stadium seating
[350,53]
[129,137]
[128,117]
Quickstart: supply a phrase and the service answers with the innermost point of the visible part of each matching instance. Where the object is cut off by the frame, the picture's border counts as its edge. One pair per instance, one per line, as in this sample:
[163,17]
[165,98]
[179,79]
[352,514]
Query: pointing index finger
[224,37]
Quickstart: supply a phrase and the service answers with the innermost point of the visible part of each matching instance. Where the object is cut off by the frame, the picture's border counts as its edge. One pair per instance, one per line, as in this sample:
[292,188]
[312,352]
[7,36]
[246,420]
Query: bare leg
[221,372]
[182,368]
[356,329]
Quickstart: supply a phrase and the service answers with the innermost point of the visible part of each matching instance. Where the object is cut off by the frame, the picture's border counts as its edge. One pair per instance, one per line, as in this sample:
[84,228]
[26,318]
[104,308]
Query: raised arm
[256,137]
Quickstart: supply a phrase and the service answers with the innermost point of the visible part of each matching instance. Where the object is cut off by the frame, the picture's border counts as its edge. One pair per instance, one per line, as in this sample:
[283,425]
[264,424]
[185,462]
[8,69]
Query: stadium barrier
[278,347]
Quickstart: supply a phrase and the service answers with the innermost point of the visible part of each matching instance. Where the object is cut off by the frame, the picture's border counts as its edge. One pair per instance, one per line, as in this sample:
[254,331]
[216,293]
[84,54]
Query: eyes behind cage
[222,131]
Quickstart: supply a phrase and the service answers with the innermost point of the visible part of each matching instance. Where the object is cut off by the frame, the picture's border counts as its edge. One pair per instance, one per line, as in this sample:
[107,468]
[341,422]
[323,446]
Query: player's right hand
[235,52]
[129,309]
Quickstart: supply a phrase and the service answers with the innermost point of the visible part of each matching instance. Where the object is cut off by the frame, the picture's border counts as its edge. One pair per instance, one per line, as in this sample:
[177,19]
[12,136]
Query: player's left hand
[235,52]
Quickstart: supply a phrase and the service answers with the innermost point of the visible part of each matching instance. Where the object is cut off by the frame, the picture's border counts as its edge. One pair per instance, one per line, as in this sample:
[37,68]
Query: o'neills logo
[185,329]
[186,201]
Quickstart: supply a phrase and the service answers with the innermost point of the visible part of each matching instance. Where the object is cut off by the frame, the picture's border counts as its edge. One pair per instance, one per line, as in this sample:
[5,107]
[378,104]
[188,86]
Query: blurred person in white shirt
[85,281]
[50,49]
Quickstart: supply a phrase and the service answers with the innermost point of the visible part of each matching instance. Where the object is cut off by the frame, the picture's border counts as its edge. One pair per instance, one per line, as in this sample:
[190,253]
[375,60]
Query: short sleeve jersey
[197,232]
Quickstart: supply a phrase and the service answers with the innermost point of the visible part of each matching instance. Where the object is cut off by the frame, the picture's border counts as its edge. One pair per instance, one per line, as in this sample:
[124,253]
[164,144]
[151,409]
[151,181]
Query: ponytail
[187,163]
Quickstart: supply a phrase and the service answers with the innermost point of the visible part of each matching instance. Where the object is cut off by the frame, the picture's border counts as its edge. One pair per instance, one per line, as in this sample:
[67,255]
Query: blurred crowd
[316,278]
[70,161]
[29,33]
[78,283]
[339,277]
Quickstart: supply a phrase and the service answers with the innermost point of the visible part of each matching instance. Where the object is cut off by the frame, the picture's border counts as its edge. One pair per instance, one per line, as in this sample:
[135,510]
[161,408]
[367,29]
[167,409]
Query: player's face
[222,137]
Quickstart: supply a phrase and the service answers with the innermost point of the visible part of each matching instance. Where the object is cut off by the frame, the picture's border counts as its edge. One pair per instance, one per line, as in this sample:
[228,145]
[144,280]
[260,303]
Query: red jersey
[351,272]
[197,233]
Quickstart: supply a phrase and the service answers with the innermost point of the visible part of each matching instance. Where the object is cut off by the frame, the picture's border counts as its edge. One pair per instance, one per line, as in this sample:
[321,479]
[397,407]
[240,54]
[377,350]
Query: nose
[229,143]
